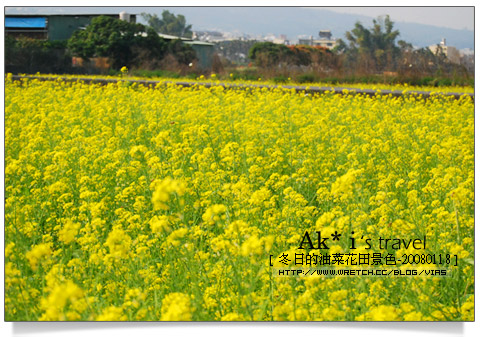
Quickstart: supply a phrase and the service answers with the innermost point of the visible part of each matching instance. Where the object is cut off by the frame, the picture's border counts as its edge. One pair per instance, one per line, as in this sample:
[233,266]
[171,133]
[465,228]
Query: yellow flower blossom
[55,303]
[118,243]
[69,231]
[214,214]
[111,314]
[37,254]
[176,307]
[164,190]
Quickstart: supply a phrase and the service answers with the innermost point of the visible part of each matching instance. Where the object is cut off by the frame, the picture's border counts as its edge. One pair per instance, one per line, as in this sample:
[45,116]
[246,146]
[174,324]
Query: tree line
[123,43]
[127,44]
[364,51]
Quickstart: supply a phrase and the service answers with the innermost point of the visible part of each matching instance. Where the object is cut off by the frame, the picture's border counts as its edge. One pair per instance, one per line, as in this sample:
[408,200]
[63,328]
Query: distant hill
[291,21]
[294,21]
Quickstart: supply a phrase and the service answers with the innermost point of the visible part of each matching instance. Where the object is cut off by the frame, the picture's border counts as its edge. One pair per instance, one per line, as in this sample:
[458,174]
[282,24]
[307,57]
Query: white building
[325,40]
[452,53]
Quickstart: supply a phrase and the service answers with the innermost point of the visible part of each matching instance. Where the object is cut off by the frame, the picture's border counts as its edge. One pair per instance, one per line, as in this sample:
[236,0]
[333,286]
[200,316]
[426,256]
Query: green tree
[116,39]
[169,24]
[374,47]
[125,44]
[268,54]
[26,55]
[183,53]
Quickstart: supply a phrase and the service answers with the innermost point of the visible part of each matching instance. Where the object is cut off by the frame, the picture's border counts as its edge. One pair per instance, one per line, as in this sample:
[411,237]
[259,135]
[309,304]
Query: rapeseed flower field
[214,79]
[124,202]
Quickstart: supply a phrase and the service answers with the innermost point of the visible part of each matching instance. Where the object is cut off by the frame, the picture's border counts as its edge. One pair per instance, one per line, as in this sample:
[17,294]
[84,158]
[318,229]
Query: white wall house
[450,52]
